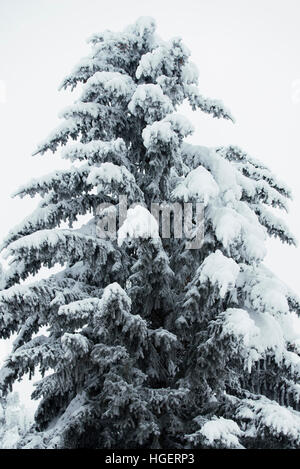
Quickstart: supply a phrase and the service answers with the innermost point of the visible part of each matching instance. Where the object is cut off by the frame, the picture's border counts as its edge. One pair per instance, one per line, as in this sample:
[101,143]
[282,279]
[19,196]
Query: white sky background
[247,53]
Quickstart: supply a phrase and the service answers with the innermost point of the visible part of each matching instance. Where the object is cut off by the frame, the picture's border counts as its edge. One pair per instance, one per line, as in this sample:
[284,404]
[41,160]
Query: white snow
[150,62]
[94,148]
[237,223]
[47,181]
[73,411]
[139,223]
[260,334]
[143,25]
[200,184]
[264,292]
[44,237]
[214,106]
[115,83]
[234,222]
[158,131]
[180,124]
[222,431]
[279,420]
[274,222]
[164,336]
[239,323]
[81,309]
[10,438]
[223,172]
[150,99]
[190,73]
[256,170]
[113,290]
[87,109]
[163,57]
[172,128]
[108,172]
[74,345]
[219,270]
[16,420]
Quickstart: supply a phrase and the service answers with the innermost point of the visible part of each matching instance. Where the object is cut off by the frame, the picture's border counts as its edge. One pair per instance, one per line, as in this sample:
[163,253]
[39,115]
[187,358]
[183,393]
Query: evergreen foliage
[150,344]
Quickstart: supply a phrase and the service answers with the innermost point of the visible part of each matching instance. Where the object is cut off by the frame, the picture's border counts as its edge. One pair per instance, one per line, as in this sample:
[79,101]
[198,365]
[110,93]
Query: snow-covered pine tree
[151,344]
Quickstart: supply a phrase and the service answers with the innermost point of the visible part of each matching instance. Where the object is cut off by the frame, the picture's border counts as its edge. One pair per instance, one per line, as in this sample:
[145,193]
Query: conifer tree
[150,344]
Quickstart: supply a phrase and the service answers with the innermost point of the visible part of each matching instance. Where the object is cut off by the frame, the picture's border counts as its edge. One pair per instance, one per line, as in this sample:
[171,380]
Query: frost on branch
[138,224]
[219,270]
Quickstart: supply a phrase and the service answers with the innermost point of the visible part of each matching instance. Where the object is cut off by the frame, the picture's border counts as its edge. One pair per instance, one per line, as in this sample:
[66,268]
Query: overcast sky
[247,53]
